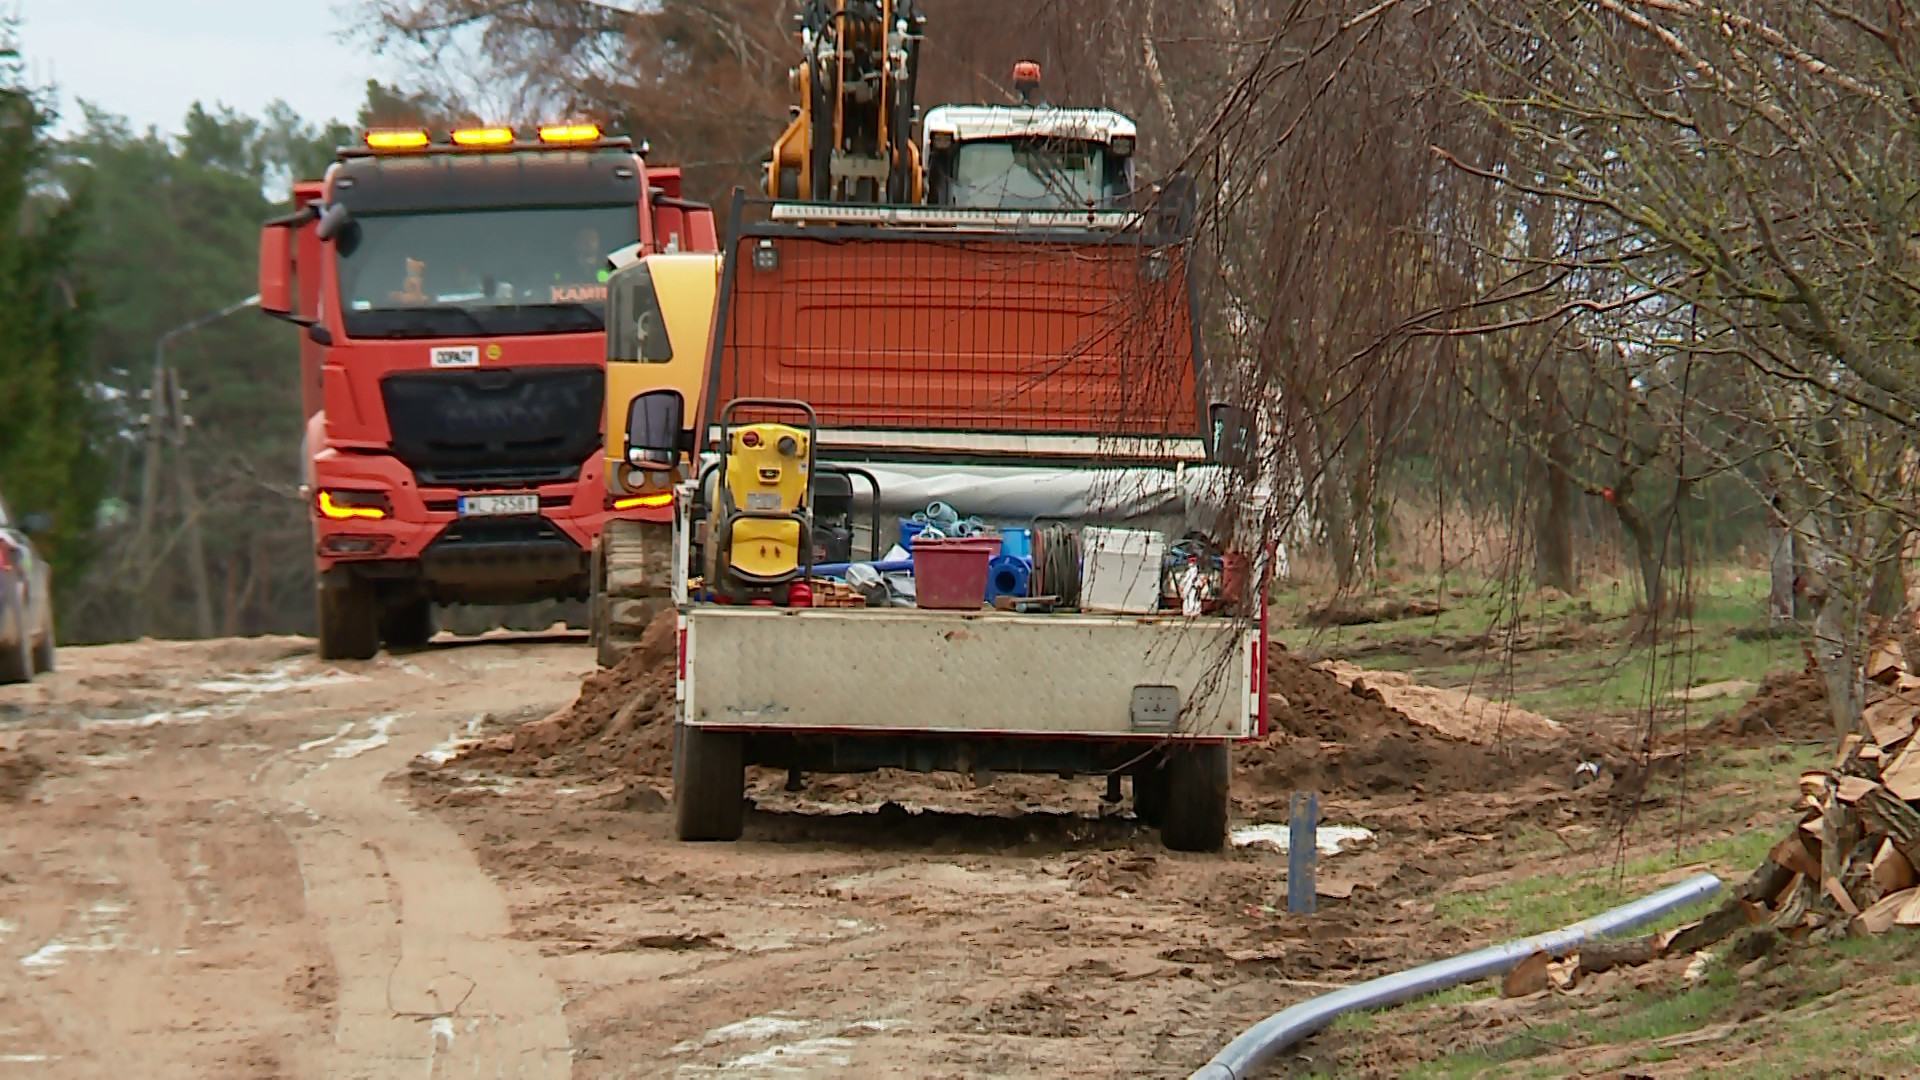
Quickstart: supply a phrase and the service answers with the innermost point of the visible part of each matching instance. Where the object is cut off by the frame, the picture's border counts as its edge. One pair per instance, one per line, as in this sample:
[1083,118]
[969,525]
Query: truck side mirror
[1233,435]
[36,523]
[653,430]
[277,240]
[334,221]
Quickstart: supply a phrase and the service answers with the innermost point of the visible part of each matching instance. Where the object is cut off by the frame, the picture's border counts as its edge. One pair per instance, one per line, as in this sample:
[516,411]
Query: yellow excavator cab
[659,313]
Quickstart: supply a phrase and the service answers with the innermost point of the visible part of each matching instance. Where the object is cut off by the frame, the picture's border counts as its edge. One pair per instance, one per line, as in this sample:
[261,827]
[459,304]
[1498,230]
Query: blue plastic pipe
[885,566]
[1245,1056]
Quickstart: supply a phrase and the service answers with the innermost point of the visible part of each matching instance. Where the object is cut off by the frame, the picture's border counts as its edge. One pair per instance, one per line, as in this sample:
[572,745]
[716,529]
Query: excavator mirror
[653,430]
[1233,435]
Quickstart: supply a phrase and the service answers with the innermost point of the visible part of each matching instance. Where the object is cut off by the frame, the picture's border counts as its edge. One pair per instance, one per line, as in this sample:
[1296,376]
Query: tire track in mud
[429,977]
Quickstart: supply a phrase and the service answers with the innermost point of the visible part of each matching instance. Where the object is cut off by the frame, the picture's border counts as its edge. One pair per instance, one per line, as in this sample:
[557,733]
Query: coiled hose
[1056,563]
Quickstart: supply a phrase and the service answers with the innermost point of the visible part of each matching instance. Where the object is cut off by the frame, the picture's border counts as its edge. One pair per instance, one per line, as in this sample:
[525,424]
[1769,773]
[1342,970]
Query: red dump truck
[452,291]
[1037,369]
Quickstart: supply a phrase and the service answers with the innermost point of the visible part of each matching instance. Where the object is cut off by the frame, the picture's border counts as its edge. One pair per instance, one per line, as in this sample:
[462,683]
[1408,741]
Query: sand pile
[1453,713]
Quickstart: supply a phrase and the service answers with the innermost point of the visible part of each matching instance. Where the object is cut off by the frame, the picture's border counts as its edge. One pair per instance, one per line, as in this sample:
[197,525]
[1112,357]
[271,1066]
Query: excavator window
[636,328]
[1040,174]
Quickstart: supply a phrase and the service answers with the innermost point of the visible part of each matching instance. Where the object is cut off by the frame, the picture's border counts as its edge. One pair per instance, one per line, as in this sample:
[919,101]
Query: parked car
[26,599]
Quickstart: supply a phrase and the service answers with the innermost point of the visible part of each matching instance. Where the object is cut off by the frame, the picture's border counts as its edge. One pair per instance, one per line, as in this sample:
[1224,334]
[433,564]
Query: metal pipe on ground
[1246,1055]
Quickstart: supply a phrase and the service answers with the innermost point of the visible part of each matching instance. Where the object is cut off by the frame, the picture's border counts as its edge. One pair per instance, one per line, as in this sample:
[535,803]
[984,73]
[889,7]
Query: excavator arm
[851,134]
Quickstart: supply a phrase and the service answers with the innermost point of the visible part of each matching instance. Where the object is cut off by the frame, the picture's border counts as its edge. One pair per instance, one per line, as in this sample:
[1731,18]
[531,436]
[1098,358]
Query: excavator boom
[850,138]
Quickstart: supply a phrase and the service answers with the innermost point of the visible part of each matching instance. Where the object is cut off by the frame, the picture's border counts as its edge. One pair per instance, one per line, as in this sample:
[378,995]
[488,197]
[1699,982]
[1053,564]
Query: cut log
[1598,956]
[1852,787]
[1887,813]
[1529,976]
[1886,663]
[1891,870]
[1878,919]
[1792,854]
[1902,775]
[1891,719]
[1765,885]
[1725,920]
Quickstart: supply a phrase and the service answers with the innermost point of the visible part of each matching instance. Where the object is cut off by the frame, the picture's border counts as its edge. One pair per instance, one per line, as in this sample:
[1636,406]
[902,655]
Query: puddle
[355,747]
[1328,840]
[316,744]
[276,679]
[102,935]
[153,719]
[753,1028]
[455,742]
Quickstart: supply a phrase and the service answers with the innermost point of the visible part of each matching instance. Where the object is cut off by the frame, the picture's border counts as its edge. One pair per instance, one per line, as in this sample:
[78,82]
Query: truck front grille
[495,428]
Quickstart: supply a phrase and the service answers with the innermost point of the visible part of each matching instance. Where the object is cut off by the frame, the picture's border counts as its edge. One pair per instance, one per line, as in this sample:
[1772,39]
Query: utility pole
[166,409]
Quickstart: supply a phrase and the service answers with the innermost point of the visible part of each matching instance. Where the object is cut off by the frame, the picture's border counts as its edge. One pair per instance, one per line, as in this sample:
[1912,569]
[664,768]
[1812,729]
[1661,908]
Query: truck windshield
[493,272]
[1038,174]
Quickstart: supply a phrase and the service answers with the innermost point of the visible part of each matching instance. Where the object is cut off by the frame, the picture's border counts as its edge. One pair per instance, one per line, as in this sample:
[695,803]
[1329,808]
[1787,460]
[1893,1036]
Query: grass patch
[1549,901]
[1603,670]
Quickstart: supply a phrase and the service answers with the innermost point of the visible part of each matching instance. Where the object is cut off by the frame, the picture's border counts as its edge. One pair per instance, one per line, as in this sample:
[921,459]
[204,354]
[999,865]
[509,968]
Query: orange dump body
[888,328]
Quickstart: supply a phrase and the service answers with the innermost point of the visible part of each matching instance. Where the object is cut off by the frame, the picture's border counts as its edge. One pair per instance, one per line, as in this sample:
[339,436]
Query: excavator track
[633,567]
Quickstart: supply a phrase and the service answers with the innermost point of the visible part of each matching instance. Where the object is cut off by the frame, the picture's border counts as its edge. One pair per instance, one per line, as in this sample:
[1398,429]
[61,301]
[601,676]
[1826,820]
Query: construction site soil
[231,858]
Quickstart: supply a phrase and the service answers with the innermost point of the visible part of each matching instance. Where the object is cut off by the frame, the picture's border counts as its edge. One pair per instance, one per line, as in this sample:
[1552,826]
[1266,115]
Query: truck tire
[16,659]
[349,621]
[634,584]
[709,784]
[409,625]
[1198,797]
[1150,793]
[43,651]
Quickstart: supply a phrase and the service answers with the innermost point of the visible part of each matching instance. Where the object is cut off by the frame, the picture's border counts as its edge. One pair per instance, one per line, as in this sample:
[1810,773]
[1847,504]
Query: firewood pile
[1848,868]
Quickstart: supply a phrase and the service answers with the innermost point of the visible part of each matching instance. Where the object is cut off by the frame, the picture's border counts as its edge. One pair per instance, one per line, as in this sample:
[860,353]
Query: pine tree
[49,452]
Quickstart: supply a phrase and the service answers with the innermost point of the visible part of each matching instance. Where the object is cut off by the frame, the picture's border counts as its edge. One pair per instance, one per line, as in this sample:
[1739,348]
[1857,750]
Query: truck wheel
[43,658]
[16,659]
[349,621]
[409,625]
[709,784]
[1195,817]
[1150,793]
[634,584]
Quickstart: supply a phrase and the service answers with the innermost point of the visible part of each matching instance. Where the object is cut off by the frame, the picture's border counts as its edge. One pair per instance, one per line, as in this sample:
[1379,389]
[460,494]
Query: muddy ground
[230,859]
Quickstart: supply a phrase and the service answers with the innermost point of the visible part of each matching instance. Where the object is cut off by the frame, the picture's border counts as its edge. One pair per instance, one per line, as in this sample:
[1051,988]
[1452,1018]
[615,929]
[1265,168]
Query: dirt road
[229,859]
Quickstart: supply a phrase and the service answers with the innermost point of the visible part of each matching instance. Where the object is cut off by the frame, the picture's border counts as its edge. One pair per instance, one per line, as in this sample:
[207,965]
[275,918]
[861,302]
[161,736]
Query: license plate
[498,505]
[763,500]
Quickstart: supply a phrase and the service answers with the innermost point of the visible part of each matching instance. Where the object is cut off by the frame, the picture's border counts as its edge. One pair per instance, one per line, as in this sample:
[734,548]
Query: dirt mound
[1342,736]
[1454,713]
[1788,705]
[622,722]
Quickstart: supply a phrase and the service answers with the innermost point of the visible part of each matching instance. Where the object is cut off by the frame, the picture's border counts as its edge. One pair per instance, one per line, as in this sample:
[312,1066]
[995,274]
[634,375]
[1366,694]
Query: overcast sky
[148,60]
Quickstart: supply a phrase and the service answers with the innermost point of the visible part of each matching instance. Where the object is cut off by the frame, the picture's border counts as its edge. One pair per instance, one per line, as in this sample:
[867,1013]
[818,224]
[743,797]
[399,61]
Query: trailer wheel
[1150,793]
[349,620]
[1198,796]
[408,625]
[709,784]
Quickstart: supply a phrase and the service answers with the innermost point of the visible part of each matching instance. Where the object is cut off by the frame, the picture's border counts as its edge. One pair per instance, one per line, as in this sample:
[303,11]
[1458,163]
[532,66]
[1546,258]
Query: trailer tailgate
[985,673]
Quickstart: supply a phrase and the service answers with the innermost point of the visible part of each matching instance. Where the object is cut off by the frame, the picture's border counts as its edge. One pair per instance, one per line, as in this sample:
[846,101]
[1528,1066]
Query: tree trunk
[1889,593]
[1553,530]
[1553,511]
[1833,637]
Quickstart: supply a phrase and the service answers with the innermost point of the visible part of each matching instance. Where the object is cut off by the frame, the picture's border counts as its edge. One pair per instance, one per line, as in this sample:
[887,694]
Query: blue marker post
[1303,852]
